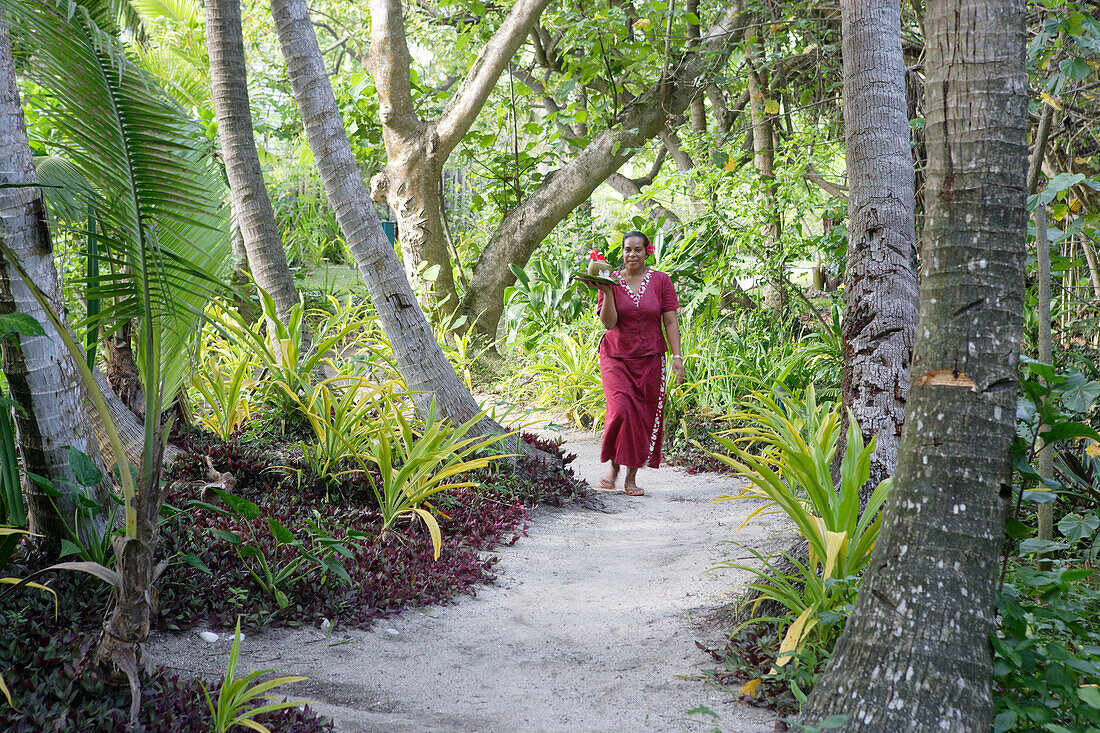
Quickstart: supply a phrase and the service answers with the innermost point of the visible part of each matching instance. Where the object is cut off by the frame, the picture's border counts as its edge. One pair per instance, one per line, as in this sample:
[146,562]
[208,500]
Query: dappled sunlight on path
[590,626]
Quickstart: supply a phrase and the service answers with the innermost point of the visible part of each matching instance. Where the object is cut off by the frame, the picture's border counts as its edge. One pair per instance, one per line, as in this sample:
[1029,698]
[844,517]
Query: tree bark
[123,374]
[915,653]
[416,150]
[631,188]
[880,274]
[524,228]
[41,375]
[427,372]
[763,149]
[698,105]
[251,203]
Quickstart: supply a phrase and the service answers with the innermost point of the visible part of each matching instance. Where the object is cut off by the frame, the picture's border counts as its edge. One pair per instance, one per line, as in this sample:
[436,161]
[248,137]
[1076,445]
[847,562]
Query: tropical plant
[415,464]
[795,442]
[226,388]
[276,569]
[164,241]
[235,705]
[288,361]
[565,374]
[340,413]
[13,510]
[544,293]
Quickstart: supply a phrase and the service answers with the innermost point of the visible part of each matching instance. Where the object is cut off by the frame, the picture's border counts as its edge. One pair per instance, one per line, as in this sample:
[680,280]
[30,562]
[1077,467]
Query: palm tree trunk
[915,653]
[42,378]
[251,203]
[427,372]
[880,277]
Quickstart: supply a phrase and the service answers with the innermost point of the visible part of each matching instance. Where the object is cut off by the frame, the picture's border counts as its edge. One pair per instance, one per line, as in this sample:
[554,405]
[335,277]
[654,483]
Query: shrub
[52,692]
[797,440]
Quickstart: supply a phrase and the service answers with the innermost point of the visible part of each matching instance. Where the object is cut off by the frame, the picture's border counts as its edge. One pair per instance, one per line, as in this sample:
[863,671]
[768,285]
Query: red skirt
[634,428]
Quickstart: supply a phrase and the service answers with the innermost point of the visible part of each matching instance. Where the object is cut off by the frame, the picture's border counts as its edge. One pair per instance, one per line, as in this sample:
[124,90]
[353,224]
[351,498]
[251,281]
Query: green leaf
[834,721]
[84,469]
[231,537]
[21,324]
[336,567]
[1034,546]
[1076,68]
[246,509]
[69,548]
[1076,527]
[1068,431]
[1017,530]
[1038,368]
[1005,720]
[1078,393]
[196,562]
[281,534]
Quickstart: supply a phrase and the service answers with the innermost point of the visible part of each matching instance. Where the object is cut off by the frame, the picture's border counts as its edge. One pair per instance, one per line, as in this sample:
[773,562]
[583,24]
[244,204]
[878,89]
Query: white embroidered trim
[660,409]
[636,297]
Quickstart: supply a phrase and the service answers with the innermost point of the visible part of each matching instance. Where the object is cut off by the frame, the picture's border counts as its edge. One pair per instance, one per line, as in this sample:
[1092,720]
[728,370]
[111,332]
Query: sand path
[590,626]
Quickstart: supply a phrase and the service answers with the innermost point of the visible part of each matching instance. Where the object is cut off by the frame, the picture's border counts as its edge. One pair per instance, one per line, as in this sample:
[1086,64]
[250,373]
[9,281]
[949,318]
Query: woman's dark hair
[636,233]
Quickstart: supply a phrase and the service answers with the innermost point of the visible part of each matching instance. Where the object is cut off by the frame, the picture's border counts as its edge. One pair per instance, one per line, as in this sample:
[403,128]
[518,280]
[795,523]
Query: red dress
[632,368]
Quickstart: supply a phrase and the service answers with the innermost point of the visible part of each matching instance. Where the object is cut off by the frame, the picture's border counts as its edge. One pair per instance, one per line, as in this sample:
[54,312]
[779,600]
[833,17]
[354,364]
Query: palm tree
[251,203]
[42,378]
[165,245]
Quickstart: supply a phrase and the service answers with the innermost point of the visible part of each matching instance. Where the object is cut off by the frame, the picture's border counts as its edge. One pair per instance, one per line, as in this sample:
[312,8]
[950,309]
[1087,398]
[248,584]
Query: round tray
[583,275]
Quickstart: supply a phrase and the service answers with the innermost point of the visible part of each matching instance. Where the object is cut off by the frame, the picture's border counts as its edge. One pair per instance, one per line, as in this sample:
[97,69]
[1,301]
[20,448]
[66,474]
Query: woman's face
[634,253]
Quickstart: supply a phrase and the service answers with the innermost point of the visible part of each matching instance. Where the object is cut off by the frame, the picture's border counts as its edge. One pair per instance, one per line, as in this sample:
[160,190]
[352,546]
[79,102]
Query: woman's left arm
[672,336]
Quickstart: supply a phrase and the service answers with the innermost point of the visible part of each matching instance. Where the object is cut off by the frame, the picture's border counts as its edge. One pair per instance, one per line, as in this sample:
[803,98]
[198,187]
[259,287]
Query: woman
[632,361]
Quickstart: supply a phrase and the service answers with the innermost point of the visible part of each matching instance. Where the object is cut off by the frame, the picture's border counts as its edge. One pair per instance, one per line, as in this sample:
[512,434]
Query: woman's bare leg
[630,484]
[612,476]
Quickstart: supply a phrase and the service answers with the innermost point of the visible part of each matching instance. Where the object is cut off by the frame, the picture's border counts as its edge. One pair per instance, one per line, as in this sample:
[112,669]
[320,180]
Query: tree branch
[833,189]
[390,62]
[461,111]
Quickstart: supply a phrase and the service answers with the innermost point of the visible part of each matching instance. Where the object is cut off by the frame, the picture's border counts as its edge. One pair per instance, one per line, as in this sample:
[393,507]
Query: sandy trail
[589,627]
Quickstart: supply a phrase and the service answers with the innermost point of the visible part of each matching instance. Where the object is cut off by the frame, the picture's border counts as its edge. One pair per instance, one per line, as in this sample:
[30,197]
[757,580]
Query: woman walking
[632,361]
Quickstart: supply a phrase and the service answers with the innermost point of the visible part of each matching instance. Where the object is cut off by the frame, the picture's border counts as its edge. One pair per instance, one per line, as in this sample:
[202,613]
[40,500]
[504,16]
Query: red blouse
[638,331]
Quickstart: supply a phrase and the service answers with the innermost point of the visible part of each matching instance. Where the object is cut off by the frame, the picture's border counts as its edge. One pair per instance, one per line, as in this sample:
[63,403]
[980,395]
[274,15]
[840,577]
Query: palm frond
[162,216]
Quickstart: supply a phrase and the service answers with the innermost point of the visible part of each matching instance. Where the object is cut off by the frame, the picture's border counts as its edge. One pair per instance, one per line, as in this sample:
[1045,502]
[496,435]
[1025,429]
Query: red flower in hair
[649,249]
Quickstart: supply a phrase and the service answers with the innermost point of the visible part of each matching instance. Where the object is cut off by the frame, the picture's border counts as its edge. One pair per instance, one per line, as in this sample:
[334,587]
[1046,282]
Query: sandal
[607,484]
[634,491]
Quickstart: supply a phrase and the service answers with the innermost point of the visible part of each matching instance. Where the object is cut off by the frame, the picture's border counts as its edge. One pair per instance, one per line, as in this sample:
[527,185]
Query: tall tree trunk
[522,230]
[41,375]
[763,149]
[122,370]
[880,275]
[698,104]
[915,653]
[416,150]
[427,372]
[1045,511]
[251,203]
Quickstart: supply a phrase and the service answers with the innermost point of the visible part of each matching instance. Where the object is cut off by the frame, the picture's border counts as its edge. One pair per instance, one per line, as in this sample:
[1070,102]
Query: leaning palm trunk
[251,203]
[426,370]
[880,276]
[915,654]
[41,375]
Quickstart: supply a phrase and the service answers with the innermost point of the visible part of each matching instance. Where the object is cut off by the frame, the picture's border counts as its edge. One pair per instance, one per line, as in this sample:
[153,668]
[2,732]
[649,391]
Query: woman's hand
[602,286]
[678,370]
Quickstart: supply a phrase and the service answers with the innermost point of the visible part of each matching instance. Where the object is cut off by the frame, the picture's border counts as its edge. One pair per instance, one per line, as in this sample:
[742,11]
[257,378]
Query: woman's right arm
[609,316]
